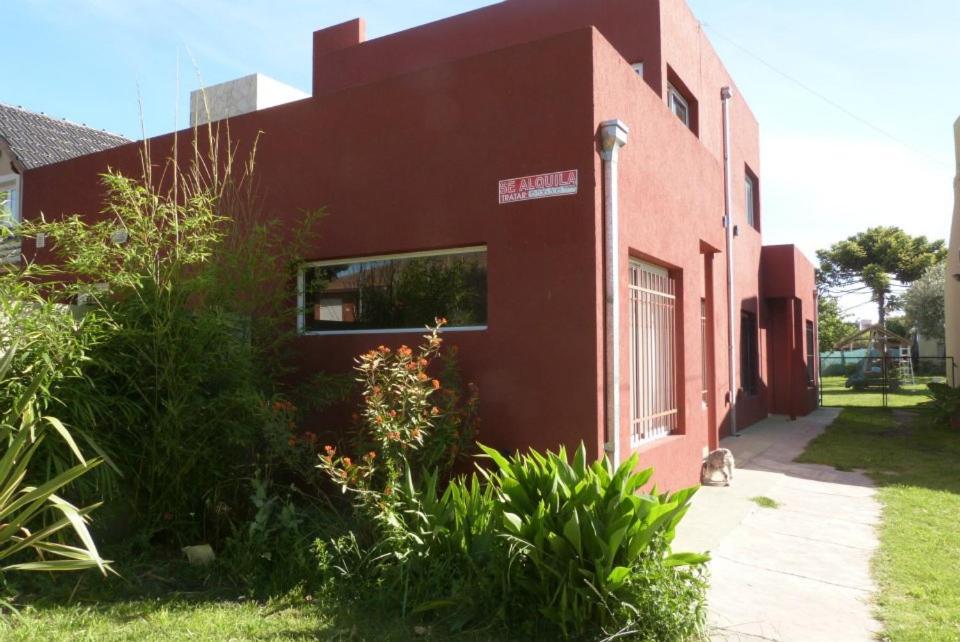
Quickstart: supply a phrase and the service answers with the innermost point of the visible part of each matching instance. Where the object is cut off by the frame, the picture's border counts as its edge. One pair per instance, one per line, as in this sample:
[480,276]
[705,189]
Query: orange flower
[434,411]
[393,413]
[415,433]
[422,376]
[436,384]
[346,462]
[393,435]
[372,454]
[404,351]
[383,349]
[292,441]
[330,449]
[388,491]
[423,362]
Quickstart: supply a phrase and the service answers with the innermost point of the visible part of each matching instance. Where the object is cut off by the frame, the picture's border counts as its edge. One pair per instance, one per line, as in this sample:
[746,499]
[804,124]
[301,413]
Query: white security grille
[653,395]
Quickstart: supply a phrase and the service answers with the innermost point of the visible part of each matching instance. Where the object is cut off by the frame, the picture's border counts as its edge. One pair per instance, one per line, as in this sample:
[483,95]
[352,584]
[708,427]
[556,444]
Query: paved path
[800,572]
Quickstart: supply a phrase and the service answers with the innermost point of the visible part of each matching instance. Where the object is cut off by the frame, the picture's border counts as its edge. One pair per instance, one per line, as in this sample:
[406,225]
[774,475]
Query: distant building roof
[37,139]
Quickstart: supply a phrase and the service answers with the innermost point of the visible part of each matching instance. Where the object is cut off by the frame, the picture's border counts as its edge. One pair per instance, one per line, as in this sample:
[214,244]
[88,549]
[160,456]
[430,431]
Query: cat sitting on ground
[720,460]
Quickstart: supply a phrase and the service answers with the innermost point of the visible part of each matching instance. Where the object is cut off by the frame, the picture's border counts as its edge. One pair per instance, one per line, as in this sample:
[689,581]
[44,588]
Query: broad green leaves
[32,516]
[581,532]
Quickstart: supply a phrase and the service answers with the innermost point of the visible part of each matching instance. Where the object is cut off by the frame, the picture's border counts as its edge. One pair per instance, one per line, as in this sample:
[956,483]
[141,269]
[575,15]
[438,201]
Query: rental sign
[528,188]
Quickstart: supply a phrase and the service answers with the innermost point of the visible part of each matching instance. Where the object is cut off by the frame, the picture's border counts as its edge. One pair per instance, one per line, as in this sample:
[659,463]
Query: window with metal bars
[653,394]
[811,367]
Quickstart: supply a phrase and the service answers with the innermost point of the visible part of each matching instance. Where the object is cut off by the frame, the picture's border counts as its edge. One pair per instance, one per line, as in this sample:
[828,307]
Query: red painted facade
[404,142]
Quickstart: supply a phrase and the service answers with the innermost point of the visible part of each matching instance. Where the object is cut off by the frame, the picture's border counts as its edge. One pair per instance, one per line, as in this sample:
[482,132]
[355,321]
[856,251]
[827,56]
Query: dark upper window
[752,204]
[682,102]
[678,105]
[811,355]
[749,355]
[397,292]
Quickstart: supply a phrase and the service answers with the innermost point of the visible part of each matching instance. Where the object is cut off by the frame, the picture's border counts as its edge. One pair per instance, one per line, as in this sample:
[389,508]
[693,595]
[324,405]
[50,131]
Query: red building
[598,314]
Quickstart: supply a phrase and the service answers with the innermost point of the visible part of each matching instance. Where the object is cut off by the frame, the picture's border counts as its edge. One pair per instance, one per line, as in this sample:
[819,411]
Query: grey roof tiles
[37,139]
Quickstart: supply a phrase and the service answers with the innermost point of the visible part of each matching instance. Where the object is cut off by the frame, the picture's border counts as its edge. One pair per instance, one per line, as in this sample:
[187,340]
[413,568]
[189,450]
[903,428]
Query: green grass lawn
[169,619]
[909,395]
[917,470]
[169,600]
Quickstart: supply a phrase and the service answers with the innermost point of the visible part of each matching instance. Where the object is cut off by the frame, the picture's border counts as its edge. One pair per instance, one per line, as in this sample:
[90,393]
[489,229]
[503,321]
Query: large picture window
[749,356]
[653,368]
[395,292]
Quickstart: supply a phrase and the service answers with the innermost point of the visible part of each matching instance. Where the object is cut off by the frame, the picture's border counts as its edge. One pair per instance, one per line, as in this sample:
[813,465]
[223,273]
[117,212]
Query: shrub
[406,424]
[34,517]
[538,544]
[946,401]
[588,543]
[186,282]
[271,553]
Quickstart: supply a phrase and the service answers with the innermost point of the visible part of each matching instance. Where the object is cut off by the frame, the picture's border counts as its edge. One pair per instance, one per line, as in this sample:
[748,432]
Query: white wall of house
[239,96]
[11,196]
[952,284]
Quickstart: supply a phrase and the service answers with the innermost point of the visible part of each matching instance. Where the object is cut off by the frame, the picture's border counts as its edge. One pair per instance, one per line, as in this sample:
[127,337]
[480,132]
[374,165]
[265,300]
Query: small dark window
[682,102]
[811,355]
[749,357]
[752,204]
[398,292]
[678,105]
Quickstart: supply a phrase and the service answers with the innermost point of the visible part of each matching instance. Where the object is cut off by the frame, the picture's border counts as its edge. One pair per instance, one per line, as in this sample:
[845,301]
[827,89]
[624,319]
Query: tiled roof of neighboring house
[37,139]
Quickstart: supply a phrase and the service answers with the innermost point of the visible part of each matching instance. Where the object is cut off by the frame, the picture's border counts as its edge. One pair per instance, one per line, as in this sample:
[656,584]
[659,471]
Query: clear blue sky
[825,175]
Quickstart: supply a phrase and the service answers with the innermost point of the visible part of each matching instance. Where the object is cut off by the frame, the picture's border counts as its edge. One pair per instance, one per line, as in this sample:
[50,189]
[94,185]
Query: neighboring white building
[29,140]
[952,282]
[240,96]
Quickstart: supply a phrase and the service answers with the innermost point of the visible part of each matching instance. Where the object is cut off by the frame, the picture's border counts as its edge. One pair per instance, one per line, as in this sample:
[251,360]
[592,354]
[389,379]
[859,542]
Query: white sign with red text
[528,188]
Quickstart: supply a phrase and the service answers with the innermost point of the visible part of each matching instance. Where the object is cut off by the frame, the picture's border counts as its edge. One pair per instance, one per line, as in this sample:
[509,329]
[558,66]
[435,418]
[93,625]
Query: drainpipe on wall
[725,96]
[613,136]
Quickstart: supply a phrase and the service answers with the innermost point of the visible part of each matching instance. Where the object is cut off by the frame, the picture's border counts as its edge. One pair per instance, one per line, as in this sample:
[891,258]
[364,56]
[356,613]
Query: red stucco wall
[404,142]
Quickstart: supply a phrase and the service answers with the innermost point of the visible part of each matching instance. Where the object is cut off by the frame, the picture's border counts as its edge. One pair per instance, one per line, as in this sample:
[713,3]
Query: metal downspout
[613,136]
[725,96]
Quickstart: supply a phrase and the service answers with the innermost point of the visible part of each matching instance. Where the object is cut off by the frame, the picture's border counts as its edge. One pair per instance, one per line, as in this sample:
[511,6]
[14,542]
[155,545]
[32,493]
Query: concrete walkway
[800,572]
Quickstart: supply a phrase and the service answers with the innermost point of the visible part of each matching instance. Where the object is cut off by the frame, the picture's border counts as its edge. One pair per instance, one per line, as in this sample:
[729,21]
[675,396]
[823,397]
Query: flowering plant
[294,449]
[407,421]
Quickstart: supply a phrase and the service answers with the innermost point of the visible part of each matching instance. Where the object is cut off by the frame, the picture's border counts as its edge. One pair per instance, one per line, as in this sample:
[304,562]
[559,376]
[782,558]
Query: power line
[829,101]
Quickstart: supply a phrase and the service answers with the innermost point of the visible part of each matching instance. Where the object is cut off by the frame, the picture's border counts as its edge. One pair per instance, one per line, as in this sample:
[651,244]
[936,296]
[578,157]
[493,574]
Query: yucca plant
[33,516]
[583,533]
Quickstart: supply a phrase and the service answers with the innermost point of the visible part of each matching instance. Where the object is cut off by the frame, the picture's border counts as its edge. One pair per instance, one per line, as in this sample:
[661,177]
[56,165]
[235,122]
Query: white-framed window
[394,292]
[9,199]
[653,361]
[638,67]
[752,202]
[678,104]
